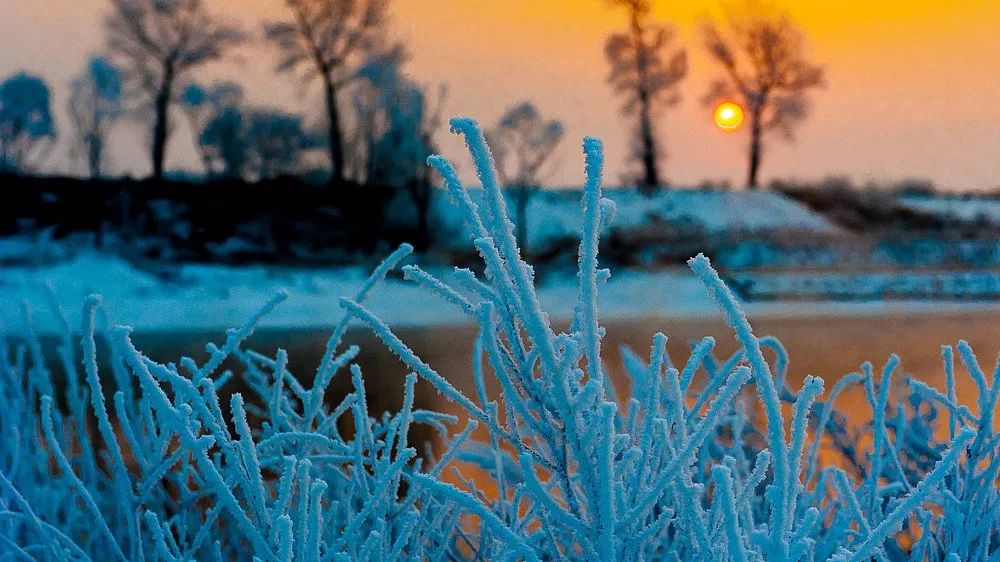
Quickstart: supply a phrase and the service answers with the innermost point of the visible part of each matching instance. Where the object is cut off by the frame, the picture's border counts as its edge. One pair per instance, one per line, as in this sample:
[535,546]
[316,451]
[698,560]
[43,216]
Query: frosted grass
[717,458]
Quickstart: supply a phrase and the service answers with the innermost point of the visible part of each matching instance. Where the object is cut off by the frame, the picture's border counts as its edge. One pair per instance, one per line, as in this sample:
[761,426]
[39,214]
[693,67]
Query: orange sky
[913,85]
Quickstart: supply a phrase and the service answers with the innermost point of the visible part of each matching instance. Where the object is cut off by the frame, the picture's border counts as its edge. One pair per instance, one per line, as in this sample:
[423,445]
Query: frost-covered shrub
[706,460]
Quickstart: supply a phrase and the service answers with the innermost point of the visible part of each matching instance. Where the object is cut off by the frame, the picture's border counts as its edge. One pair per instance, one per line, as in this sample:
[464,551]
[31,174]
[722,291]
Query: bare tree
[326,40]
[646,69]
[27,129]
[159,41]
[95,102]
[766,68]
[522,144]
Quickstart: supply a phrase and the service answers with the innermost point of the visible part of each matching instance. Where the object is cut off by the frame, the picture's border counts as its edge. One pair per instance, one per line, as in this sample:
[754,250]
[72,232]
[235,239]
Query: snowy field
[197,297]
[980,285]
[962,208]
[555,214]
[191,297]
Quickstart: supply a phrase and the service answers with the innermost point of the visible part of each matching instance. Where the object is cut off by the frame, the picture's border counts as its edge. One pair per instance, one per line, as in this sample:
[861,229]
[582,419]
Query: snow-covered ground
[555,214]
[983,285]
[211,297]
[962,208]
[35,249]
[215,298]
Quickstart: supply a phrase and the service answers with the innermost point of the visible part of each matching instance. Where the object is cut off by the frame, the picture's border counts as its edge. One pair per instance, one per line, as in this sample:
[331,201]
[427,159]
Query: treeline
[281,220]
[378,123]
[146,75]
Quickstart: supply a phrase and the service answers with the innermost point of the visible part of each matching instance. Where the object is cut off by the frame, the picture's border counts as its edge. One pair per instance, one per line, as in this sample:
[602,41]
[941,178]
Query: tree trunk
[161,128]
[521,196]
[206,161]
[336,136]
[651,172]
[651,175]
[94,148]
[755,148]
[422,199]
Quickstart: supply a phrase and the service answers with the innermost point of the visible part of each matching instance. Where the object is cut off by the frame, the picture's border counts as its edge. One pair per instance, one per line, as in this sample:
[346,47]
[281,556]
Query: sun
[728,116]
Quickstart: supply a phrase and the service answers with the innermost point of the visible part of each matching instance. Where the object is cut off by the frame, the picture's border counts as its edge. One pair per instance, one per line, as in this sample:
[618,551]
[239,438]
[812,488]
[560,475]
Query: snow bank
[961,208]
[555,214]
[981,285]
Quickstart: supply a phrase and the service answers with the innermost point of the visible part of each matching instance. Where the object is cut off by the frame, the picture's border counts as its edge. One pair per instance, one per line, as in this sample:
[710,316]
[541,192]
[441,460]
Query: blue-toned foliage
[96,101]
[712,459]
[26,121]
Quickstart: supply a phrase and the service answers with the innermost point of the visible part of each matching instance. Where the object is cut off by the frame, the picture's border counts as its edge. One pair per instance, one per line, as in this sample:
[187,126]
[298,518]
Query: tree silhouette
[326,40]
[275,141]
[522,144]
[239,141]
[395,127]
[158,42]
[766,68]
[27,128]
[95,103]
[646,70]
[216,117]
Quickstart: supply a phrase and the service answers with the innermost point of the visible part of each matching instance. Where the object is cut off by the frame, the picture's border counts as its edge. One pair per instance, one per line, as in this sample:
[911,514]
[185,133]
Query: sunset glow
[944,117]
[728,116]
